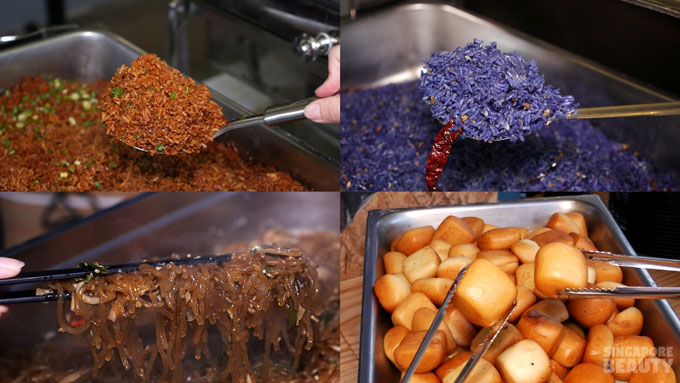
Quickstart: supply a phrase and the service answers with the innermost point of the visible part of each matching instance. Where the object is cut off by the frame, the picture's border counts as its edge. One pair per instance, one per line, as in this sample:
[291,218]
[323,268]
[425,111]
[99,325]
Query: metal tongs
[90,270]
[476,356]
[638,292]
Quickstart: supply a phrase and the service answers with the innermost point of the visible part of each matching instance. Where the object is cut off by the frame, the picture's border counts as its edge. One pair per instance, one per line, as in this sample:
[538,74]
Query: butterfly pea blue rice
[492,95]
[387,133]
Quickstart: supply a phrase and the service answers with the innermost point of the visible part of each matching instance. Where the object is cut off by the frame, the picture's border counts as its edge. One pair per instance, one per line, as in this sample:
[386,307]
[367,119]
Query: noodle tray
[152,226]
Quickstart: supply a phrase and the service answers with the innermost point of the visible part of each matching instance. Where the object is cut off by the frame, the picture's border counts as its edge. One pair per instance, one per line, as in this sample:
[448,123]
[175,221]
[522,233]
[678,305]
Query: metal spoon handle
[272,116]
[283,113]
[638,110]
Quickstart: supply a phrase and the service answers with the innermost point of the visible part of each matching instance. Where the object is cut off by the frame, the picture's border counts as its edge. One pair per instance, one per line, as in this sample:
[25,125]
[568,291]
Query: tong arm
[433,328]
[637,292]
[634,261]
[475,357]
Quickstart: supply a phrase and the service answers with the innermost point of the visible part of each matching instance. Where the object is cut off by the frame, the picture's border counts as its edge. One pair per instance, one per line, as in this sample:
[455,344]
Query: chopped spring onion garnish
[99,269]
[116,91]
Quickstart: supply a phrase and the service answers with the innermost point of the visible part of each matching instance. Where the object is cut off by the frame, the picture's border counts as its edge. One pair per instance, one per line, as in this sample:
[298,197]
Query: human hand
[8,268]
[326,110]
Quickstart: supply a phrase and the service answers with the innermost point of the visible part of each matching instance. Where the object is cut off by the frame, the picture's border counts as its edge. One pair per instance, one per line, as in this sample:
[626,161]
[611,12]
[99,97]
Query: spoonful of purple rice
[491,95]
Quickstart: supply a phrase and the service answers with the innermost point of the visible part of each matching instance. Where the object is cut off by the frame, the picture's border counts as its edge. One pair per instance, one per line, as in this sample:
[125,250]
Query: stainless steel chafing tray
[387,47]
[158,225]
[90,55]
[383,226]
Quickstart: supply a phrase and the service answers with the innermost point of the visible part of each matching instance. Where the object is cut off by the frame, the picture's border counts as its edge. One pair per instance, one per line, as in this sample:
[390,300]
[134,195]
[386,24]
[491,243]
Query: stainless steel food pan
[90,55]
[388,46]
[383,226]
[157,225]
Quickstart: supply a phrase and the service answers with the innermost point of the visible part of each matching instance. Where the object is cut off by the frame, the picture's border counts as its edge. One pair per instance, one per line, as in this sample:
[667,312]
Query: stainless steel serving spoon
[273,115]
[669,108]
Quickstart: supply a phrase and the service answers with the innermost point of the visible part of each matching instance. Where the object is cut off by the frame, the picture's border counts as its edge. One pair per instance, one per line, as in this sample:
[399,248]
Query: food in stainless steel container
[387,129]
[96,55]
[197,224]
[532,252]
[57,123]
[253,318]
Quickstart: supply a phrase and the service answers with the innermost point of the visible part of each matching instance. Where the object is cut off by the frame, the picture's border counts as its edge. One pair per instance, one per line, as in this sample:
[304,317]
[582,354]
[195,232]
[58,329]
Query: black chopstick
[82,272]
[30,296]
[95,270]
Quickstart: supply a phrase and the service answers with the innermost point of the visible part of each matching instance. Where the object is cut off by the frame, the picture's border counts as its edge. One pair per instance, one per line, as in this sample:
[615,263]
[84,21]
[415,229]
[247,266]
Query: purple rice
[387,132]
[492,95]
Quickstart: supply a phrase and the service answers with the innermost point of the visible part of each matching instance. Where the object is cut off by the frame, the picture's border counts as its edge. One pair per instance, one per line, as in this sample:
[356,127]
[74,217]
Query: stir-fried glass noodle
[255,318]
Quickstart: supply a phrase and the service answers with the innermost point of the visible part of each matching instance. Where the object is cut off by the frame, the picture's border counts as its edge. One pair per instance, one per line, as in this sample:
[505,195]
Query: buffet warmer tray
[93,54]
[158,225]
[387,46]
[383,226]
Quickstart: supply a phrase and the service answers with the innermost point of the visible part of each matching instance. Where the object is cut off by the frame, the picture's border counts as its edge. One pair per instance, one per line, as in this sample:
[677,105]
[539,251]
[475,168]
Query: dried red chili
[440,153]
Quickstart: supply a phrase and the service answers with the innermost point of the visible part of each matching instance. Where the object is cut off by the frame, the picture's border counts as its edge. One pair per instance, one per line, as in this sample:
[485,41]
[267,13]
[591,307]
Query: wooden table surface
[351,278]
